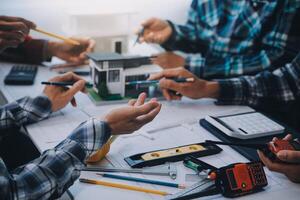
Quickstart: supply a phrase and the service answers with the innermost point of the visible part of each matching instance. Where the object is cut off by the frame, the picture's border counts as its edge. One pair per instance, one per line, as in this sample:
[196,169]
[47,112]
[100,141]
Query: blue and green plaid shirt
[48,176]
[268,87]
[225,38]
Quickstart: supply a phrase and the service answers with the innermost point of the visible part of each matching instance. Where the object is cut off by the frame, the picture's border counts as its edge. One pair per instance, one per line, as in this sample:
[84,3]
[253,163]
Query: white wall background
[49,14]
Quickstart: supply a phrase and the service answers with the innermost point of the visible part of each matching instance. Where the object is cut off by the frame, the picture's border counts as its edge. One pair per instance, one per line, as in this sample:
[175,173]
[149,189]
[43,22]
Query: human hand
[195,90]
[132,117]
[168,60]
[72,53]
[156,31]
[61,96]
[290,165]
[13,31]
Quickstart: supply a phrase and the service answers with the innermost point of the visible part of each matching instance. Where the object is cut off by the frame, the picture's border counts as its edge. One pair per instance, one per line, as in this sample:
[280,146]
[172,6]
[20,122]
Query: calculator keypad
[252,123]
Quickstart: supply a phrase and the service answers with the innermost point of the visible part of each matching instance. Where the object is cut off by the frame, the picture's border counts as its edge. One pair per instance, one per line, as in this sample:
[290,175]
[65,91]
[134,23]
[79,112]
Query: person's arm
[186,37]
[24,111]
[30,51]
[36,51]
[281,85]
[48,176]
[232,65]
[224,58]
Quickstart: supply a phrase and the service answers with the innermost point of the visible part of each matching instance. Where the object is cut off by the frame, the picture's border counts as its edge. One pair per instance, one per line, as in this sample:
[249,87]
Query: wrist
[51,48]
[212,90]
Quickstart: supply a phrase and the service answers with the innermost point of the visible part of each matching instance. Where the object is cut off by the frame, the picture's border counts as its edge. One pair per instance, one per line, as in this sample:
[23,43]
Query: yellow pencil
[122,186]
[68,40]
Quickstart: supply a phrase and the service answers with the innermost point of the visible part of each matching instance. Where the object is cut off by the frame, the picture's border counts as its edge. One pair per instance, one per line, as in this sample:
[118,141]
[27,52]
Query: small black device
[21,75]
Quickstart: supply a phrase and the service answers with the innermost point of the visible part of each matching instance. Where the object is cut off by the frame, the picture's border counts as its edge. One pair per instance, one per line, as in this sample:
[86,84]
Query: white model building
[113,71]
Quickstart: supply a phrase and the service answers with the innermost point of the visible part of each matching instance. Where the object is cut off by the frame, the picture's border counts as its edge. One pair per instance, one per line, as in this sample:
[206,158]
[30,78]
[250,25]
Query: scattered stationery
[142,180]
[123,186]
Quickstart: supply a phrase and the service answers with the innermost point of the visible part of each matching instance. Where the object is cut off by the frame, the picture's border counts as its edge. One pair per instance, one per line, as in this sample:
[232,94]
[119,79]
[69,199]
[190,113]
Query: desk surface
[177,124]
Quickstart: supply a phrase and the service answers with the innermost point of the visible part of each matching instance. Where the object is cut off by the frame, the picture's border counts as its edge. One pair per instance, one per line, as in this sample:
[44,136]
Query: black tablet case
[250,154]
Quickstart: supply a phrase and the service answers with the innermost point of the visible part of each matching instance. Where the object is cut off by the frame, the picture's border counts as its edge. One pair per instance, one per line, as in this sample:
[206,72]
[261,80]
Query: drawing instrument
[123,186]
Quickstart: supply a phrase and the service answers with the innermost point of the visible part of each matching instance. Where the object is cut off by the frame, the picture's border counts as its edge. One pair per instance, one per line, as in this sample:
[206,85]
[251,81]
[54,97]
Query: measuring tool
[162,156]
[270,149]
[231,181]
[169,170]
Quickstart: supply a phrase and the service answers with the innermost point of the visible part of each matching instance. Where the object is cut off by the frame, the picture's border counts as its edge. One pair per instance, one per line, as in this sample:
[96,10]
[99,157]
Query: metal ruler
[196,188]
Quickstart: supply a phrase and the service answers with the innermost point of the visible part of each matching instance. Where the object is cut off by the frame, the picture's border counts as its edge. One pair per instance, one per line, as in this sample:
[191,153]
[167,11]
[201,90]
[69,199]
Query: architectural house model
[113,73]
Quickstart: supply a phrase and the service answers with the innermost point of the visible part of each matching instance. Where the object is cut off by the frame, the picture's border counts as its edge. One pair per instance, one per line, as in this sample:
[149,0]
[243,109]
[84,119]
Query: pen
[142,180]
[123,186]
[140,34]
[64,83]
[178,80]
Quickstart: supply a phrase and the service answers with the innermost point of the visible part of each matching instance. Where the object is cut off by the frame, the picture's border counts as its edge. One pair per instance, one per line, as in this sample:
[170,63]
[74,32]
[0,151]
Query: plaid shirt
[280,86]
[31,51]
[226,37]
[48,176]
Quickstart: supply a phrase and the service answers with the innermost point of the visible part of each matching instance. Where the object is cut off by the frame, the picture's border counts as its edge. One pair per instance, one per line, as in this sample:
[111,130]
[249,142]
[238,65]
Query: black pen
[140,34]
[178,80]
[87,84]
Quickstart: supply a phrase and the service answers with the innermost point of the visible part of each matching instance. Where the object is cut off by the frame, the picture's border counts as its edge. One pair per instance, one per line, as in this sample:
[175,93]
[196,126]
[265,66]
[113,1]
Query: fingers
[15,26]
[71,77]
[67,77]
[73,102]
[78,86]
[30,24]
[131,102]
[144,119]
[166,94]
[171,85]
[141,99]
[171,73]
[12,35]
[91,46]
[170,95]
[273,166]
[144,109]
[288,137]
[149,22]
[289,156]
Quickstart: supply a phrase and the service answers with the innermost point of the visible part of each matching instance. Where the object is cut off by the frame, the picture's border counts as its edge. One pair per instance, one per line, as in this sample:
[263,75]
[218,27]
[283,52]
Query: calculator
[246,125]
[21,75]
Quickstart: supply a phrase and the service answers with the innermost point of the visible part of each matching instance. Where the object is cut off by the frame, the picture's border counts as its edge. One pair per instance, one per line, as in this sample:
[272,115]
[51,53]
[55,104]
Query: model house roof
[127,61]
